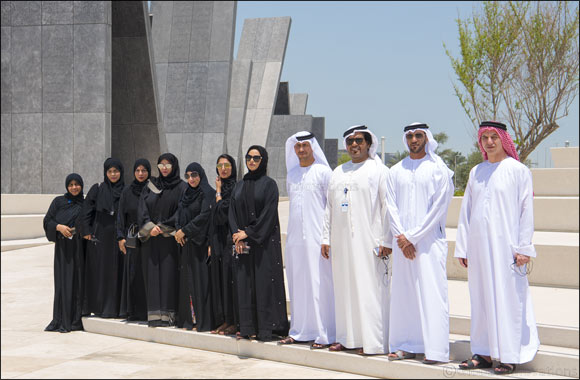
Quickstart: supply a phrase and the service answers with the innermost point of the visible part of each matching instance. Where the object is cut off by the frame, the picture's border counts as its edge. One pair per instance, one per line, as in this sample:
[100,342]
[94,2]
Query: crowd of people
[365,253]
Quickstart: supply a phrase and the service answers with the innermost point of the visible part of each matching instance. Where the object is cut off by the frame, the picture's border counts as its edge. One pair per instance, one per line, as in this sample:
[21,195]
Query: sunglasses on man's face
[418,135]
[358,140]
[192,175]
[255,158]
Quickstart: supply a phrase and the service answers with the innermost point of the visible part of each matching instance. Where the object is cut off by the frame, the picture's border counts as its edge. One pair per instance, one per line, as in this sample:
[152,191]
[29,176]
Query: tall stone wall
[193,49]
[56,97]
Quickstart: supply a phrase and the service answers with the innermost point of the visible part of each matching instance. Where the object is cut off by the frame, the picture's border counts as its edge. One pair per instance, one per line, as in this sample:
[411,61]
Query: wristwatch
[218,194]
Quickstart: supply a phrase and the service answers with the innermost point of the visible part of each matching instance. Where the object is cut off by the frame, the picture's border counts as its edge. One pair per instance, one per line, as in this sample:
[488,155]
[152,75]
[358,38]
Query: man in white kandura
[494,243]
[419,190]
[357,239]
[309,275]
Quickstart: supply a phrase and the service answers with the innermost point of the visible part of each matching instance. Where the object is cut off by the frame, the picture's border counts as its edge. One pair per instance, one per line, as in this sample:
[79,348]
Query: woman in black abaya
[222,281]
[192,223]
[158,207]
[254,222]
[104,261]
[59,226]
[133,297]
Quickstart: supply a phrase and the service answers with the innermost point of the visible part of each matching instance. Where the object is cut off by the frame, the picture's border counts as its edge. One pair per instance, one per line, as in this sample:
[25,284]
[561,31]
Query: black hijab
[80,198]
[192,193]
[249,181]
[109,193]
[137,186]
[228,183]
[69,210]
[172,179]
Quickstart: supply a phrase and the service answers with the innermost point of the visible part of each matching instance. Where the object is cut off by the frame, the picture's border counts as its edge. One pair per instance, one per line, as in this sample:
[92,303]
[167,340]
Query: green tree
[397,156]
[518,63]
[343,158]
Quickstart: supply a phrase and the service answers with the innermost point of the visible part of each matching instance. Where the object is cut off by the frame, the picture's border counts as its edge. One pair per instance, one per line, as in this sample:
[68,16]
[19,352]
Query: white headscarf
[292,160]
[431,143]
[429,147]
[375,143]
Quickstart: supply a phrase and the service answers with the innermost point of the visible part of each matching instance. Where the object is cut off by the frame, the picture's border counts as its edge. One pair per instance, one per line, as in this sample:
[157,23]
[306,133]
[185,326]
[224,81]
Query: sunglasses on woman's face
[224,166]
[255,158]
[192,175]
[164,166]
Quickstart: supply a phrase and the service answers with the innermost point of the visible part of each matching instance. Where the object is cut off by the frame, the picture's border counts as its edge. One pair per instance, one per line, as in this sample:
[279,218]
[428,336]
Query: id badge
[344,206]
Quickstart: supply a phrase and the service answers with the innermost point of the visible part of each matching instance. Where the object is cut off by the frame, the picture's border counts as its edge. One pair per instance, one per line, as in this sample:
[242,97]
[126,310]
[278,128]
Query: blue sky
[382,64]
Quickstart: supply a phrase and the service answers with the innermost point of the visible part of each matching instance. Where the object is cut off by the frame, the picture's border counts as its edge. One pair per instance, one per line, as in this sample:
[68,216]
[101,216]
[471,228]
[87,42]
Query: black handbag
[131,241]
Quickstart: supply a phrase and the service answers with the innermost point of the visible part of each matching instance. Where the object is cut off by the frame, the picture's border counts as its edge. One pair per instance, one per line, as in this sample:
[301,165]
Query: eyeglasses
[164,166]
[224,166]
[417,135]
[358,140]
[255,158]
[192,175]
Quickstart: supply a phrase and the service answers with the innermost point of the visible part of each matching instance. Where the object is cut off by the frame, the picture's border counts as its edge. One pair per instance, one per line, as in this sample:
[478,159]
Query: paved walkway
[29,352]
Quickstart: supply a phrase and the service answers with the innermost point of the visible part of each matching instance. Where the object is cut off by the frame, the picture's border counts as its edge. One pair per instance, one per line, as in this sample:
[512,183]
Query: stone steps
[10,245]
[19,227]
[552,361]
[551,213]
[555,181]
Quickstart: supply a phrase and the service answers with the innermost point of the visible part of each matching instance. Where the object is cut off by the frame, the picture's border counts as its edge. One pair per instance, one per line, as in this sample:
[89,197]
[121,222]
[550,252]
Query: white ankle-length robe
[361,294]
[496,222]
[418,195]
[309,274]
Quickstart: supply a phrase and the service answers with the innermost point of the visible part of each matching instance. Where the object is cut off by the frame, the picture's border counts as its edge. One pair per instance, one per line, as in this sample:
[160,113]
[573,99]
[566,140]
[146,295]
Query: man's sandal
[429,361]
[318,346]
[401,355]
[481,363]
[288,340]
[336,347]
[504,369]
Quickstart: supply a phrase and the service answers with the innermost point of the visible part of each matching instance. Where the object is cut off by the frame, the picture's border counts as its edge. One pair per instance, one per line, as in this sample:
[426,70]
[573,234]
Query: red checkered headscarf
[501,130]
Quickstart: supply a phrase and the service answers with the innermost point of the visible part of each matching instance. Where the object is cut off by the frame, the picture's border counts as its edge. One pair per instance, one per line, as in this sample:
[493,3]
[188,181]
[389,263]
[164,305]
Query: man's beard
[419,149]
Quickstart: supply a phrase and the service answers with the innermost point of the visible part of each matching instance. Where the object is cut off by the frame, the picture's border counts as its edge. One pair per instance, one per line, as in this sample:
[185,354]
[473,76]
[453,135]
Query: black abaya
[104,260]
[260,278]
[68,267]
[162,276]
[133,296]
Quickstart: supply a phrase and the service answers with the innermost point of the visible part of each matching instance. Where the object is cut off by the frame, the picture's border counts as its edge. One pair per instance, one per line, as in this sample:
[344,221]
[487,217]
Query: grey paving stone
[57,12]
[246,44]
[298,104]
[6,87]
[91,132]
[201,31]
[195,97]
[161,29]
[26,13]
[91,63]
[279,39]
[6,8]
[57,68]
[26,69]
[222,30]
[216,106]
[92,12]
[180,31]
[6,149]
[57,151]
[27,153]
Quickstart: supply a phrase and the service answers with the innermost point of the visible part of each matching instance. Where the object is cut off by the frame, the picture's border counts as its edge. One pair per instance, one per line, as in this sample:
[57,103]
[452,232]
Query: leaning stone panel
[331,152]
[134,127]
[193,48]
[298,104]
[264,42]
